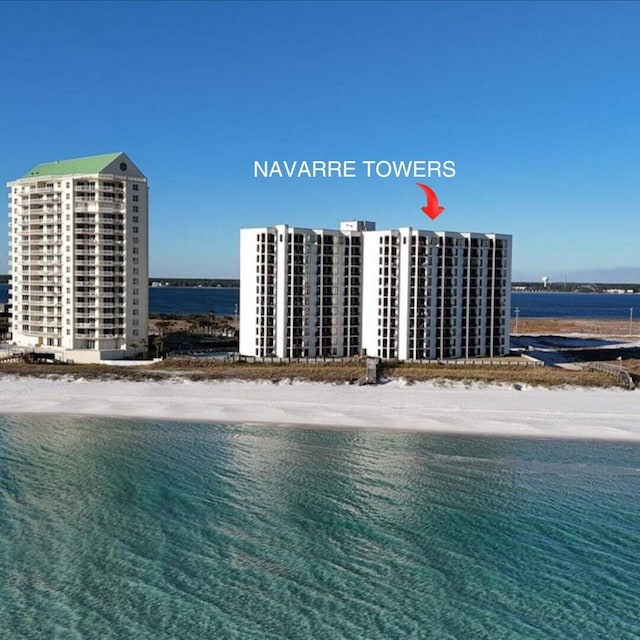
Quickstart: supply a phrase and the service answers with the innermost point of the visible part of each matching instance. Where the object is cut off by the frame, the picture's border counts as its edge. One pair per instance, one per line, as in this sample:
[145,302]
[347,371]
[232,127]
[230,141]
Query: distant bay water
[162,530]
[575,305]
[225,302]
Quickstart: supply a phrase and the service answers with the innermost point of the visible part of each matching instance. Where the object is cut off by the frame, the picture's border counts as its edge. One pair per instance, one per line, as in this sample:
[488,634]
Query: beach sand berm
[449,407]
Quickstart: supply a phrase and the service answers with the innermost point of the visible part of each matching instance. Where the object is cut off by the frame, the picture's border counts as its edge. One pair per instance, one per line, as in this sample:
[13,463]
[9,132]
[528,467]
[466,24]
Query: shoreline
[429,407]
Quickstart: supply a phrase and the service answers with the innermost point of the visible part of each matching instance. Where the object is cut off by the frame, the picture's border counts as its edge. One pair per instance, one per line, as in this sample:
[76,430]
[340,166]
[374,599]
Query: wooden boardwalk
[619,372]
[371,372]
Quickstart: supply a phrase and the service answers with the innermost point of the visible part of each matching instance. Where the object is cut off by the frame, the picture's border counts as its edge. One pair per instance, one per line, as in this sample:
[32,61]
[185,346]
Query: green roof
[90,164]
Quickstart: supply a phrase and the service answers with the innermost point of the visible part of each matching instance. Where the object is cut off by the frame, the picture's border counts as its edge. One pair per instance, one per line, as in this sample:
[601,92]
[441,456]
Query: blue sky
[537,103]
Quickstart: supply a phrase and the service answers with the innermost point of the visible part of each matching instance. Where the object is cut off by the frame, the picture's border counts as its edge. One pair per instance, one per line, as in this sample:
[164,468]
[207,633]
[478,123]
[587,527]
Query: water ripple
[125,529]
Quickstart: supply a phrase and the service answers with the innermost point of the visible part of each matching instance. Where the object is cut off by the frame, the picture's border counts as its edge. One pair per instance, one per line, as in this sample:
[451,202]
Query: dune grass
[347,372]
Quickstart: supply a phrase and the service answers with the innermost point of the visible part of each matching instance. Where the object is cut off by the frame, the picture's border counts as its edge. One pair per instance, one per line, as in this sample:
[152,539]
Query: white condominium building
[78,257]
[400,294]
[300,290]
[436,295]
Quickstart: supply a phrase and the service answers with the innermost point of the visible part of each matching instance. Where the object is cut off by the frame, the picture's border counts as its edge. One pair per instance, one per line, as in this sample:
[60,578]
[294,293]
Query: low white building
[398,294]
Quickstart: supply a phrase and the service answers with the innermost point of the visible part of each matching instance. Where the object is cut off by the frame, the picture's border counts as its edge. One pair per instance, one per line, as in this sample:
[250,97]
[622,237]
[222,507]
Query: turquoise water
[127,529]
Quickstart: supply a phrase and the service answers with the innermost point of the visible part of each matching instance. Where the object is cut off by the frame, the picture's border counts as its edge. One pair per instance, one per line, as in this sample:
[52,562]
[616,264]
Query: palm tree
[158,343]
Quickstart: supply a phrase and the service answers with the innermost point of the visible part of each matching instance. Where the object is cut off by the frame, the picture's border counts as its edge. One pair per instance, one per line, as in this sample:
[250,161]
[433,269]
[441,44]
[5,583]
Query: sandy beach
[504,410]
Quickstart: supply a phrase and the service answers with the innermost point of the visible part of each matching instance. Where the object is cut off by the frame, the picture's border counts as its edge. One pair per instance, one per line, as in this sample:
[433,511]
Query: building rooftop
[90,164]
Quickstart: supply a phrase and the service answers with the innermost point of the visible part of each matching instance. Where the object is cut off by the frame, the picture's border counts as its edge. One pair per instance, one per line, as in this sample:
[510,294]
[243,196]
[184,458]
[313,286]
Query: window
[135,229]
[135,218]
[135,198]
[135,187]
[135,210]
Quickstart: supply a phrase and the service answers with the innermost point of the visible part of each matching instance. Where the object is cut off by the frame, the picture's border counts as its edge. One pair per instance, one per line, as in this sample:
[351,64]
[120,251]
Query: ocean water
[131,529]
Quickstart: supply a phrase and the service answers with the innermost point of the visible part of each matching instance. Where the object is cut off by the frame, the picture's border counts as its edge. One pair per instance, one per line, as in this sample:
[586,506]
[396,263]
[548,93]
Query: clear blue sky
[537,103]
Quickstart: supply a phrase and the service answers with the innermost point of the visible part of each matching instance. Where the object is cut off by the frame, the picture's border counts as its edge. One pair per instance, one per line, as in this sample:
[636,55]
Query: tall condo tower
[300,290]
[78,257]
[436,295]
[403,294]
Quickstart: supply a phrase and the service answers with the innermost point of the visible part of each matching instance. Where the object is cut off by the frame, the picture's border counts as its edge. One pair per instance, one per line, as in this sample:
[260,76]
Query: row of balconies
[100,294]
[102,308]
[42,289]
[46,188]
[39,278]
[106,278]
[105,270]
[41,321]
[38,195]
[52,260]
[86,252]
[38,297]
[108,194]
[41,309]
[54,332]
[97,323]
[86,256]
[98,207]
[98,228]
[99,335]
[30,233]
[99,238]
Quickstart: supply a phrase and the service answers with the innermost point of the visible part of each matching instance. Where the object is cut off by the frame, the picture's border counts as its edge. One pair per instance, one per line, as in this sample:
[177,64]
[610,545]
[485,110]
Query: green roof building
[79,258]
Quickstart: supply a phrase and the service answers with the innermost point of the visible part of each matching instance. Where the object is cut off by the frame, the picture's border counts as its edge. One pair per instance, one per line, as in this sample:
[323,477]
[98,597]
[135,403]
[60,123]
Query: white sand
[612,414]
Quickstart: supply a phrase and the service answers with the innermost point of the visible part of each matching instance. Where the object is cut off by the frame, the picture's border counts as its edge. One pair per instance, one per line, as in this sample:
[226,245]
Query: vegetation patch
[330,372]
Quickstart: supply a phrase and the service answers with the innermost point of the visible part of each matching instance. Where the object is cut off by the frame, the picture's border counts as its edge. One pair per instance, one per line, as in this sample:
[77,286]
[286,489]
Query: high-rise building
[300,290]
[78,257]
[436,295]
[397,294]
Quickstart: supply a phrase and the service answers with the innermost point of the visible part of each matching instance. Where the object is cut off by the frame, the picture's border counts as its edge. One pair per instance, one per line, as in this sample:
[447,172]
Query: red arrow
[432,209]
